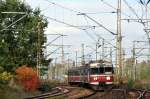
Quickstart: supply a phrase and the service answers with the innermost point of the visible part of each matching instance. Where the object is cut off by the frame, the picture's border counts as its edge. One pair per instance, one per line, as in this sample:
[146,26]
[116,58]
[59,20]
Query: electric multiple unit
[97,75]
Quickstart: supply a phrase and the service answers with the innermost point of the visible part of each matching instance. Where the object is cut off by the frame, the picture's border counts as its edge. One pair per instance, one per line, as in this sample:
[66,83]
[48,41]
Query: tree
[28,78]
[18,43]
[128,68]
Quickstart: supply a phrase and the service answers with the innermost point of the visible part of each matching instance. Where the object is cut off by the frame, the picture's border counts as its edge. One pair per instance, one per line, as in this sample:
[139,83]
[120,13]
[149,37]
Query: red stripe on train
[101,78]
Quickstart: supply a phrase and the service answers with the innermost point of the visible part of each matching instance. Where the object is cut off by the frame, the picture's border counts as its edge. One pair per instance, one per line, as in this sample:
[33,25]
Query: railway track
[55,92]
[84,93]
[141,94]
[137,94]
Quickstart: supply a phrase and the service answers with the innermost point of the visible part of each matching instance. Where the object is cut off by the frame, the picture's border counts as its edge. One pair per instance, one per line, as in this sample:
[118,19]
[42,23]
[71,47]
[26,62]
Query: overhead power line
[72,26]
[14,22]
[53,19]
[98,23]
[72,10]
[53,40]
[53,52]
[109,5]
[132,10]
[69,9]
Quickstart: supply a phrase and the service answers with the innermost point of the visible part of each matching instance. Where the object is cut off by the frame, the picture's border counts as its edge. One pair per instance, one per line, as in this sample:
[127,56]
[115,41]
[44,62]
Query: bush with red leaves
[28,78]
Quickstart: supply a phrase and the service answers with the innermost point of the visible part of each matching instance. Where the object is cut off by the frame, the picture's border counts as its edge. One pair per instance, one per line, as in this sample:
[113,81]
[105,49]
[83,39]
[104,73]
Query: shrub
[5,77]
[130,83]
[28,78]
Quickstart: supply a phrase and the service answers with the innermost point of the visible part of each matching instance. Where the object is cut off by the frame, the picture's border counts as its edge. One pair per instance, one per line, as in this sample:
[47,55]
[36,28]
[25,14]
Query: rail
[55,92]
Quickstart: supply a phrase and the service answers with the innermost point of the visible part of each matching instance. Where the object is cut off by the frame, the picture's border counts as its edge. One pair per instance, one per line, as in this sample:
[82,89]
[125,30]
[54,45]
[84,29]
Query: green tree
[18,43]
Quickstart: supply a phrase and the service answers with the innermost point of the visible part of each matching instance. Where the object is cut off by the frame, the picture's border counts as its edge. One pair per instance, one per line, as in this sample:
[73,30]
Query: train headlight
[107,78]
[95,78]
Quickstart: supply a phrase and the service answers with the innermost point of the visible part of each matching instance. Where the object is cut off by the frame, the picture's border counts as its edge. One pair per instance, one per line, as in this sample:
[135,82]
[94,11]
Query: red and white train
[97,75]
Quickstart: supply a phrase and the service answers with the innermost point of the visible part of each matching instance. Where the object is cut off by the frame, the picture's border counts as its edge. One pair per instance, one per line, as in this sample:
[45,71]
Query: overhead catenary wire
[97,23]
[78,12]
[142,5]
[144,23]
[109,5]
[53,51]
[56,4]
[72,10]
[72,26]
[99,35]
[53,40]
[141,8]
[87,22]
[89,35]
[14,22]
[132,10]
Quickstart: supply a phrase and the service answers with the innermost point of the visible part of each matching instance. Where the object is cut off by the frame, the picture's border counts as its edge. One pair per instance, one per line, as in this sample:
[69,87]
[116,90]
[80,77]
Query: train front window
[108,69]
[101,69]
[94,71]
[97,70]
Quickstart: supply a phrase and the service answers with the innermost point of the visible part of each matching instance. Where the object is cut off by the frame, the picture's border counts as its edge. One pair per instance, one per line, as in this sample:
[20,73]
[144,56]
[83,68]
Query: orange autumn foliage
[28,78]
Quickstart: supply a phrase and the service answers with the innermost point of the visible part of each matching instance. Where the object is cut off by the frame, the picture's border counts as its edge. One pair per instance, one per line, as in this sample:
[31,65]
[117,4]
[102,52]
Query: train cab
[101,74]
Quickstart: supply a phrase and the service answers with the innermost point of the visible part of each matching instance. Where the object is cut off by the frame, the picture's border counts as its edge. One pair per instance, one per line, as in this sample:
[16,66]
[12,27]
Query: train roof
[100,62]
[93,64]
[80,67]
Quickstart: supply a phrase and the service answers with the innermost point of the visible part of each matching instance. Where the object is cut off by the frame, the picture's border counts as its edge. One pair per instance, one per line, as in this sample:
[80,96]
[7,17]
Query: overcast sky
[98,10]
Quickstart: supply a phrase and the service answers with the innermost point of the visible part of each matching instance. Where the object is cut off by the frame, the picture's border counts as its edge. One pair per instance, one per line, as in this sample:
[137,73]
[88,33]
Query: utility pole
[136,52]
[111,55]
[123,62]
[56,66]
[39,49]
[83,60]
[61,46]
[103,43]
[145,21]
[119,41]
[62,58]
[147,30]
[96,51]
[133,64]
[76,58]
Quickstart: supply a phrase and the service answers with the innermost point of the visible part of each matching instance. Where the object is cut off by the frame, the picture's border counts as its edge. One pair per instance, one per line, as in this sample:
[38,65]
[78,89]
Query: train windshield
[97,70]
[108,69]
[101,70]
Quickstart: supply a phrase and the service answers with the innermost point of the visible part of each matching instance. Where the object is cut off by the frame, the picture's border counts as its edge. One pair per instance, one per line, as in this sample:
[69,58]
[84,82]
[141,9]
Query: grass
[7,92]
[17,92]
[51,83]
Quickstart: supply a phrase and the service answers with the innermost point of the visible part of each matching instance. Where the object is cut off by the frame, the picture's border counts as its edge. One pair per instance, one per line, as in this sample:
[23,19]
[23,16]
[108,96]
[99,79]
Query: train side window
[81,72]
[69,73]
[78,72]
[86,71]
[72,73]
[75,73]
